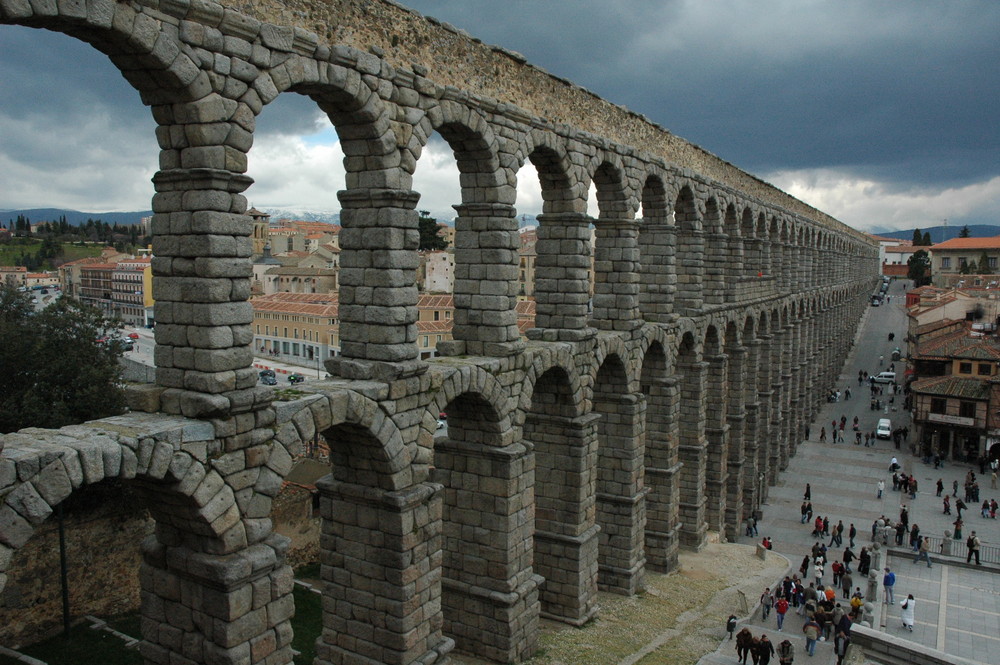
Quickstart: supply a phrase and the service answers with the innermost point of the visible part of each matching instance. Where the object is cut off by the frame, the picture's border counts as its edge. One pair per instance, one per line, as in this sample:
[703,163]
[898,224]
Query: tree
[927,239]
[918,267]
[429,237]
[969,268]
[964,233]
[918,238]
[984,265]
[55,372]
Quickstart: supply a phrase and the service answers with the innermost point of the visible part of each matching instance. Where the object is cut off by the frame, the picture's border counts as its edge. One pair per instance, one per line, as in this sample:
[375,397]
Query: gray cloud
[897,95]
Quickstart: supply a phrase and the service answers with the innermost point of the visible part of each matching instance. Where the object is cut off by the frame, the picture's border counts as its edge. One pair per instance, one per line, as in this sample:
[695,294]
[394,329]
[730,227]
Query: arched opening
[489,592]
[692,384]
[616,254]
[657,250]
[690,254]
[716,430]
[566,537]
[662,465]
[620,479]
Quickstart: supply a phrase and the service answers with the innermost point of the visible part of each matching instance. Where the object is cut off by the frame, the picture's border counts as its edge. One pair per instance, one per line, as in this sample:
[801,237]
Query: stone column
[489,591]
[231,609]
[616,275]
[753,264]
[752,430]
[486,265]
[716,265]
[717,439]
[201,241]
[378,291]
[662,475]
[765,411]
[736,417]
[381,565]
[693,450]
[566,535]
[562,277]
[780,413]
[621,493]
[658,244]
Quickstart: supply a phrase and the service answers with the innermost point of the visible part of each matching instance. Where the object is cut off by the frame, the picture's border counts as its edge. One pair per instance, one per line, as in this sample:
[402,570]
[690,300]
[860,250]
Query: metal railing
[951,548]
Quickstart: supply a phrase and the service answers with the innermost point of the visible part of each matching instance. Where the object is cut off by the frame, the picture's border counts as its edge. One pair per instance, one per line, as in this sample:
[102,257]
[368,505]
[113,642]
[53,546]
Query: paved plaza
[958,606]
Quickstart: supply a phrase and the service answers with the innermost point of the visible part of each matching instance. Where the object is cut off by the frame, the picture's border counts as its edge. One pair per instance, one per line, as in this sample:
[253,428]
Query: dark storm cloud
[902,91]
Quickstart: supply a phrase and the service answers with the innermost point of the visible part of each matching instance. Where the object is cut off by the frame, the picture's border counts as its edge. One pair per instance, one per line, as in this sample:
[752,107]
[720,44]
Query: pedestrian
[766,601]
[822,435]
[958,529]
[851,535]
[881,488]
[731,625]
[947,505]
[993,480]
[849,556]
[864,561]
[915,537]
[924,551]
[811,630]
[940,487]
[973,544]
[954,488]
[907,609]
[764,650]
[780,608]
[842,641]
[744,645]
[960,506]
[846,582]
[804,509]
[993,509]
[786,653]
[826,526]
[888,582]
[808,493]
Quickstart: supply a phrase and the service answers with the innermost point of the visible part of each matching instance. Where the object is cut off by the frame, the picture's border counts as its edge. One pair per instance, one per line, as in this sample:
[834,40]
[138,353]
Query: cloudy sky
[883,114]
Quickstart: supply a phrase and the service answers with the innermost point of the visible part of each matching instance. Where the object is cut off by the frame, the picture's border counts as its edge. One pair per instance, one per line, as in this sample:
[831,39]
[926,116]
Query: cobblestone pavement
[958,607]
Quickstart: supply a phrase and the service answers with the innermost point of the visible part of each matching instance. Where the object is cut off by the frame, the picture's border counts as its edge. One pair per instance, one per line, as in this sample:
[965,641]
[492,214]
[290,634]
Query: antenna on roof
[944,229]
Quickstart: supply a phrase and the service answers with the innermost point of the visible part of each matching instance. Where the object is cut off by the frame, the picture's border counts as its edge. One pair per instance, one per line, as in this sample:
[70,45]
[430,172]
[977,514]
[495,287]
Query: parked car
[266,372]
[268,380]
[295,377]
[133,335]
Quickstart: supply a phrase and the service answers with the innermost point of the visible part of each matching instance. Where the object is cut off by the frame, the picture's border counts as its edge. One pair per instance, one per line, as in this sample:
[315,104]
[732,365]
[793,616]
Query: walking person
[811,630]
[940,487]
[924,551]
[973,544]
[764,650]
[766,601]
[881,488]
[907,609]
[851,535]
[888,582]
[786,653]
[780,608]
[808,493]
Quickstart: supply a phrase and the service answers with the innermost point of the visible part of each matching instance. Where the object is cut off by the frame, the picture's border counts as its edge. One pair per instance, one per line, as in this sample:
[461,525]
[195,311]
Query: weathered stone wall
[102,553]
[293,517]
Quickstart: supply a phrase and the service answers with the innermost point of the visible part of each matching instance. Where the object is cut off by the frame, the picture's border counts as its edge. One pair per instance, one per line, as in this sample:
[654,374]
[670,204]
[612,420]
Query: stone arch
[487,520]
[717,257]
[619,479]
[161,68]
[690,253]
[716,426]
[564,438]
[657,251]
[561,304]
[616,250]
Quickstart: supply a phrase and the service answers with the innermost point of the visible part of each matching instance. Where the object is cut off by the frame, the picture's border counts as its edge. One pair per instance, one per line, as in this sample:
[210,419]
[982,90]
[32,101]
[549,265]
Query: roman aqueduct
[633,421]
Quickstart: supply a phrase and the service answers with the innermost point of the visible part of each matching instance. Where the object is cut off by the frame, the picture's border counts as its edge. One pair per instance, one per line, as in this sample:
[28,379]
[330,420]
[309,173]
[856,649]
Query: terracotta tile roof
[959,345]
[428,301]
[434,326]
[952,386]
[967,243]
[326,311]
[315,298]
[935,325]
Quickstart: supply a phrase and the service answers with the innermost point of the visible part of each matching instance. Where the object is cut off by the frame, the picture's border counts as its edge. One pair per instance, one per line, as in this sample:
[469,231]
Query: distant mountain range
[942,233]
[36,215]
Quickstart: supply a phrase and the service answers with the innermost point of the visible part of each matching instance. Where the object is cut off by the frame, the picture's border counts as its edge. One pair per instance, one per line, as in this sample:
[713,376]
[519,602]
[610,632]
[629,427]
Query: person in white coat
[907,612]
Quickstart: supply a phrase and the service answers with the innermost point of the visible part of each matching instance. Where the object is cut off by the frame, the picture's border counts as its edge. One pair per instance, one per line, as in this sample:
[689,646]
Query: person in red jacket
[780,608]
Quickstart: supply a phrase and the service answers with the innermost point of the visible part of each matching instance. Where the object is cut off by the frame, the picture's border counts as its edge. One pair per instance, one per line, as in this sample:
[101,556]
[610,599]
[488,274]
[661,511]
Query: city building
[957,262]
[132,291]
[14,275]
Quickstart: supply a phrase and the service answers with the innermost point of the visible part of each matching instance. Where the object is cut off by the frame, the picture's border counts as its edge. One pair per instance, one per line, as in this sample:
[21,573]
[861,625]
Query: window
[946,262]
[939,405]
[962,262]
[426,341]
[965,368]
[984,369]
[992,262]
[437,315]
[967,409]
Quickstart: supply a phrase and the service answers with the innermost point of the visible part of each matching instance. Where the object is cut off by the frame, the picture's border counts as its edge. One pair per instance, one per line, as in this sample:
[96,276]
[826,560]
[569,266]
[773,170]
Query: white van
[885,377]
[884,429]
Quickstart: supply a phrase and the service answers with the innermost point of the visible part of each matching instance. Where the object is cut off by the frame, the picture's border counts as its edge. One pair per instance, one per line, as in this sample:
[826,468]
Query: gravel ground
[679,618]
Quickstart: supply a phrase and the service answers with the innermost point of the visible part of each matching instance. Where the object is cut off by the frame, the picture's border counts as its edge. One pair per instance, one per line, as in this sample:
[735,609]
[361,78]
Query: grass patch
[84,645]
[307,624]
[70,252]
